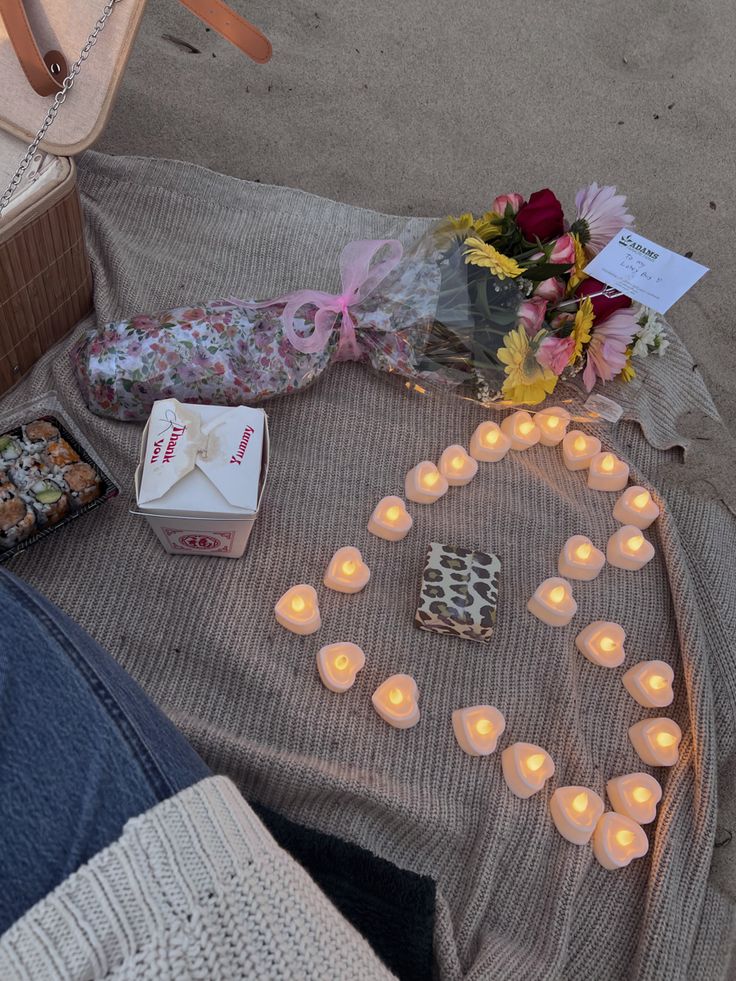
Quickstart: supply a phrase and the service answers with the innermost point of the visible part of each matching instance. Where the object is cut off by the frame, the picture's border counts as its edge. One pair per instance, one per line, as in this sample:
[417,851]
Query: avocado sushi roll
[83,484]
[49,501]
[26,471]
[37,435]
[10,449]
[60,454]
[17,520]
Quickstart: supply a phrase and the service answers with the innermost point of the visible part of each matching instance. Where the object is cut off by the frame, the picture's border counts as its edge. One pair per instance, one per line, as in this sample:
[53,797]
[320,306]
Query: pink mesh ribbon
[360,275]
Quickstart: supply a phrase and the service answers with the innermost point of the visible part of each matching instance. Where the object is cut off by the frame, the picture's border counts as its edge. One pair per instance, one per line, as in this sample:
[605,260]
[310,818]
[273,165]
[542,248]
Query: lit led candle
[650,683]
[553,602]
[477,729]
[580,559]
[489,443]
[424,483]
[636,795]
[521,430]
[578,449]
[575,812]
[456,466]
[617,841]
[526,768]
[338,665]
[657,741]
[628,549]
[552,424]
[636,507]
[602,642]
[607,472]
[390,520]
[397,701]
[297,610]
[347,572]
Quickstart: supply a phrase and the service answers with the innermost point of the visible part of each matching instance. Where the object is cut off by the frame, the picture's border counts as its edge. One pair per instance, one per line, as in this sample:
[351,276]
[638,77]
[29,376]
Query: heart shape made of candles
[650,683]
[576,812]
[602,643]
[298,610]
[338,665]
[580,559]
[636,795]
[526,768]
[521,430]
[347,572]
[397,701]
[553,602]
[478,728]
[617,841]
[657,741]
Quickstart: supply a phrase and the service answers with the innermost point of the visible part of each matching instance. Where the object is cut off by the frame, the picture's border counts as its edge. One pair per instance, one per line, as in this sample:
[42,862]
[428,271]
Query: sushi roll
[49,502]
[11,449]
[26,471]
[37,435]
[83,483]
[17,520]
[60,454]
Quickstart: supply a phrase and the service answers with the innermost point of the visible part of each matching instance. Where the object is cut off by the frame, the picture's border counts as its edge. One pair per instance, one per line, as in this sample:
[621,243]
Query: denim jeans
[82,749]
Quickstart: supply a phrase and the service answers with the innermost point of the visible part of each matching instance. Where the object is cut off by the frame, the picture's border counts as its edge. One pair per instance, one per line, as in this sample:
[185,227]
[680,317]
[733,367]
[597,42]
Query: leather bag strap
[232,27]
[45,72]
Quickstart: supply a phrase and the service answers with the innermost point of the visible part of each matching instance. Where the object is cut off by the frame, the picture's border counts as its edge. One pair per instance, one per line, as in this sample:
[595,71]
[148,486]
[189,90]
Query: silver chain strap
[59,100]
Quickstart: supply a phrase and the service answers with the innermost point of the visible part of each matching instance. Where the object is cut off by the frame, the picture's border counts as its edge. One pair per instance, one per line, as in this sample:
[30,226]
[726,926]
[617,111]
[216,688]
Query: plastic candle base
[635,795]
[576,812]
[650,683]
[526,768]
[580,559]
[657,741]
[397,701]
[347,572]
[602,642]
[390,520]
[552,424]
[521,430]
[456,466]
[578,449]
[339,664]
[617,841]
[489,443]
[607,472]
[628,549]
[477,729]
[424,483]
[635,507]
[553,602]
[298,611]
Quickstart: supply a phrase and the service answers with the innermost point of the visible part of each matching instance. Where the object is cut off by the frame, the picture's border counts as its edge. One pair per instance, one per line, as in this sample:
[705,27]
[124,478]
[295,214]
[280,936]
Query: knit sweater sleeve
[194,888]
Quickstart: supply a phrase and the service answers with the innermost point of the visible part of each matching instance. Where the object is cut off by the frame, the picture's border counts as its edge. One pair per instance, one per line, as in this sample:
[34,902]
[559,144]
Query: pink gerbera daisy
[607,348]
[600,214]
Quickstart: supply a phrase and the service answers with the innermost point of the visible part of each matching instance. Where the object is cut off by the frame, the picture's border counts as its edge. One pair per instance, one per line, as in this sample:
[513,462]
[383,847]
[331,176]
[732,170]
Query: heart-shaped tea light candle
[636,795]
[575,812]
[397,701]
[602,642]
[650,683]
[553,602]
[526,768]
[657,741]
[347,572]
[456,466]
[628,549]
[578,449]
[339,664]
[424,484]
[636,507]
[489,443]
[607,472]
[478,728]
[298,610]
[617,841]
[390,520]
[580,559]
[521,430]
[552,424]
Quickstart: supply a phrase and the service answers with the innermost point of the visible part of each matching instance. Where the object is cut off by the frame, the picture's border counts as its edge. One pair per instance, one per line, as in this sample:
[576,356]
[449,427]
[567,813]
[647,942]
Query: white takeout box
[200,476]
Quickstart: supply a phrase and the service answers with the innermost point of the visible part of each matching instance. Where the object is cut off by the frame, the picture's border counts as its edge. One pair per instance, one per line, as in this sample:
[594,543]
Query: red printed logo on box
[216,543]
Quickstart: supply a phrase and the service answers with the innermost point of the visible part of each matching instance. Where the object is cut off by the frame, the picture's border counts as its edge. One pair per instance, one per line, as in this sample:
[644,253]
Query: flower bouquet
[496,307]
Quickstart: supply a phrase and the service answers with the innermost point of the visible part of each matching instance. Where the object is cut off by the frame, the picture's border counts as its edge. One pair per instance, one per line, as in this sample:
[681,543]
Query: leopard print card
[459,592]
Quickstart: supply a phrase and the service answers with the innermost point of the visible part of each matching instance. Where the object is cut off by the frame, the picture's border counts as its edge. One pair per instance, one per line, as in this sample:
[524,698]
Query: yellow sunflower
[576,274]
[581,329]
[488,225]
[628,372]
[500,265]
[527,380]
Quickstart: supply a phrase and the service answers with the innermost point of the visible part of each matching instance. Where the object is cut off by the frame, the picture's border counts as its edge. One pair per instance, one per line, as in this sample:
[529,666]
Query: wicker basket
[45,278]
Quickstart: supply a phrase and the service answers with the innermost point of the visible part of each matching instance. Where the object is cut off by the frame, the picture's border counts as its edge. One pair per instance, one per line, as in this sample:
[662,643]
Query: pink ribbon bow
[359,279]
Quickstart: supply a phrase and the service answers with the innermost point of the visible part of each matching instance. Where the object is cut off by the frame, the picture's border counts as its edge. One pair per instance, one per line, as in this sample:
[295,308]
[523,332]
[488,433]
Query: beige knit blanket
[514,899]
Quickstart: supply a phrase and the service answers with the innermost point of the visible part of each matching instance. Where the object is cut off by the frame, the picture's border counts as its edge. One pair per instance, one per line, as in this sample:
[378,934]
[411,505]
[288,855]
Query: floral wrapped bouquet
[494,307]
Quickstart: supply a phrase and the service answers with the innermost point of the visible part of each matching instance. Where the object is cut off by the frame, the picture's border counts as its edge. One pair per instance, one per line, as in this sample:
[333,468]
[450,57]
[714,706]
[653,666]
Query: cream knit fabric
[514,899]
[194,888]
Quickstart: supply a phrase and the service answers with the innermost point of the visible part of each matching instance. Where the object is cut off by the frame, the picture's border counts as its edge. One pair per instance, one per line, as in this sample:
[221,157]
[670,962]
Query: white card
[647,272]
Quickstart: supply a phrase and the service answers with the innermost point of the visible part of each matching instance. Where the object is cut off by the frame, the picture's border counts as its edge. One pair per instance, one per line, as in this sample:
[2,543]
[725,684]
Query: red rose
[603,306]
[541,217]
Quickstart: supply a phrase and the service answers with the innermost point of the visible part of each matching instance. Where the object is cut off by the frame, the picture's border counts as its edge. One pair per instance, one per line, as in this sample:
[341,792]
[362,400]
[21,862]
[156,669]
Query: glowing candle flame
[484,726]
[608,462]
[393,513]
[557,594]
[624,837]
[457,463]
[349,567]
[395,696]
[583,551]
[607,644]
[298,604]
[634,543]
[665,739]
[641,500]
[657,682]
[641,795]
[580,802]
[580,443]
[535,762]
[491,437]
[525,428]
[551,422]
[431,478]
[341,662]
